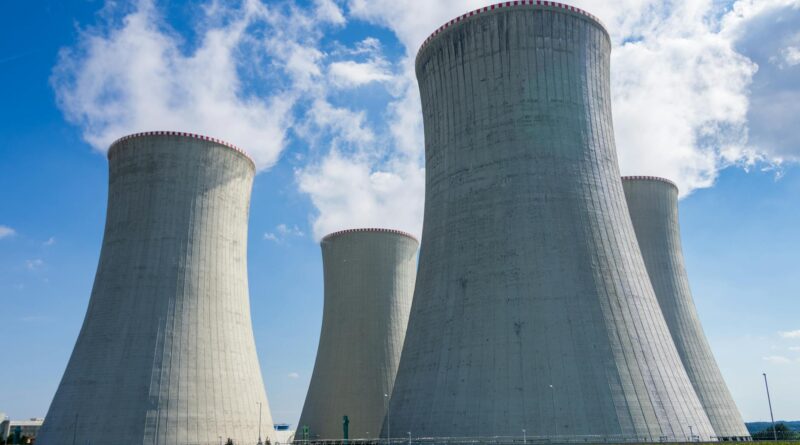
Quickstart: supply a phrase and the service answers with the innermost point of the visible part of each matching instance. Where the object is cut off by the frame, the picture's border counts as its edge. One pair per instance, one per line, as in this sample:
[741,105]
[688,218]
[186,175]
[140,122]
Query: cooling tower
[653,205]
[532,309]
[166,353]
[369,282]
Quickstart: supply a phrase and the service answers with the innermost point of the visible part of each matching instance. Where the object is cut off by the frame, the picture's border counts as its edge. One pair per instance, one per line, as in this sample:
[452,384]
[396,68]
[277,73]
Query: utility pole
[259,424]
[555,422]
[74,430]
[769,401]
[388,419]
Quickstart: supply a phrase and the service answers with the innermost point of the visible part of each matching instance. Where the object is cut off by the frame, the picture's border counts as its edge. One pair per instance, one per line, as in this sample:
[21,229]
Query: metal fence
[506,440]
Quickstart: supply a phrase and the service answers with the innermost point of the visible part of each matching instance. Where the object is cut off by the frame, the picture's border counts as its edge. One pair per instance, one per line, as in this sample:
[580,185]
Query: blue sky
[322,94]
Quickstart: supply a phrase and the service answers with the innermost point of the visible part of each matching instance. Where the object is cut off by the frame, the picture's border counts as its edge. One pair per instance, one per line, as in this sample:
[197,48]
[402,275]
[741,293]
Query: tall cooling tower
[533,309]
[166,353]
[369,282]
[653,205]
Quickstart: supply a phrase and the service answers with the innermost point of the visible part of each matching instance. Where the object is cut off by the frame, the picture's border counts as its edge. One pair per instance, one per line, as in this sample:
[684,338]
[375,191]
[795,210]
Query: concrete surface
[533,308]
[166,353]
[653,205]
[369,283]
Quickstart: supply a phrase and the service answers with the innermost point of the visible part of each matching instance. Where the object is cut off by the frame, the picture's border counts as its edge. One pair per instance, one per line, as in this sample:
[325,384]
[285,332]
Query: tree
[782,431]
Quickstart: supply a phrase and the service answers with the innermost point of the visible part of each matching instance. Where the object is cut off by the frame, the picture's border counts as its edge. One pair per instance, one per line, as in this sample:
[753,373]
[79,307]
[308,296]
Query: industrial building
[166,353]
[17,429]
[533,314]
[653,205]
[369,282]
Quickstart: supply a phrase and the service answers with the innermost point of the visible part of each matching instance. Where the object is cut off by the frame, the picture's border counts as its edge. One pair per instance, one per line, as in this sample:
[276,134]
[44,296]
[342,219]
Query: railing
[515,440]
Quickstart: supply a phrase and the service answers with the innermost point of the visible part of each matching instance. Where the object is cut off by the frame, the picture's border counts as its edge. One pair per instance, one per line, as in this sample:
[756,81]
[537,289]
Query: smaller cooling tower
[369,283]
[653,205]
[166,354]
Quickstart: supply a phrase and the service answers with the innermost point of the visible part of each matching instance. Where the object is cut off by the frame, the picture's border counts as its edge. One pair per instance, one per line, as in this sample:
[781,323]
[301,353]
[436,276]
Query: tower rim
[650,178]
[180,134]
[367,230]
[539,4]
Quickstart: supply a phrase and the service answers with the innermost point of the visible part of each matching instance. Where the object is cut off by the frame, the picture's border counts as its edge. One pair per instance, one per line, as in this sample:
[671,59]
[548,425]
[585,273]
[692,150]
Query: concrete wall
[653,205]
[532,309]
[369,283]
[166,353]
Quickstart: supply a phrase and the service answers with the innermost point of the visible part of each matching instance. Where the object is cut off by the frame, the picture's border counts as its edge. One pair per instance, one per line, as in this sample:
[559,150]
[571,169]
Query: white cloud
[777,359]
[137,77]
[6,231]
[283,229]
[765,31]
[680,90]
[34,264]
[282,232]
[680,100]
[794,348]
[328,11]
[352,192]
[50,241]
[340,124]
[791,55]
[293,375]
[790,334]
[691,92]
[348,74]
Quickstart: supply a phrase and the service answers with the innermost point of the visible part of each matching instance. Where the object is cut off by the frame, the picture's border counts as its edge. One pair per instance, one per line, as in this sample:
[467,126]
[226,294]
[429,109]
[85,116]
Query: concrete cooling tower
[166,353]
[533,310]
[653,205]
[369,282]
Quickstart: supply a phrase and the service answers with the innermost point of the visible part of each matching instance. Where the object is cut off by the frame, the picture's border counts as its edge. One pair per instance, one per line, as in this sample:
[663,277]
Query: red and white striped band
[507,5]
[649,178]
[369,229]
[182,134]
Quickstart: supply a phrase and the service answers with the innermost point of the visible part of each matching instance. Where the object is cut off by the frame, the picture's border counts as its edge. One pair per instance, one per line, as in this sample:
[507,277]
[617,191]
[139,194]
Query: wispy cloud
[50,241]
[293,375]
[34,264]
[689,83]
[353,74]
[6,232]
[778,359]
[790,334]
[137,77]
[282,232]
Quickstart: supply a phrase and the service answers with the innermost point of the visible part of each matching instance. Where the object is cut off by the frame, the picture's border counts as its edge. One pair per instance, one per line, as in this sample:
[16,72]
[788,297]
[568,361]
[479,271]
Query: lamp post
[524,436]
[555,423]
[259,424]
[691,434]
[769,401]
[388,419]
[409,438]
